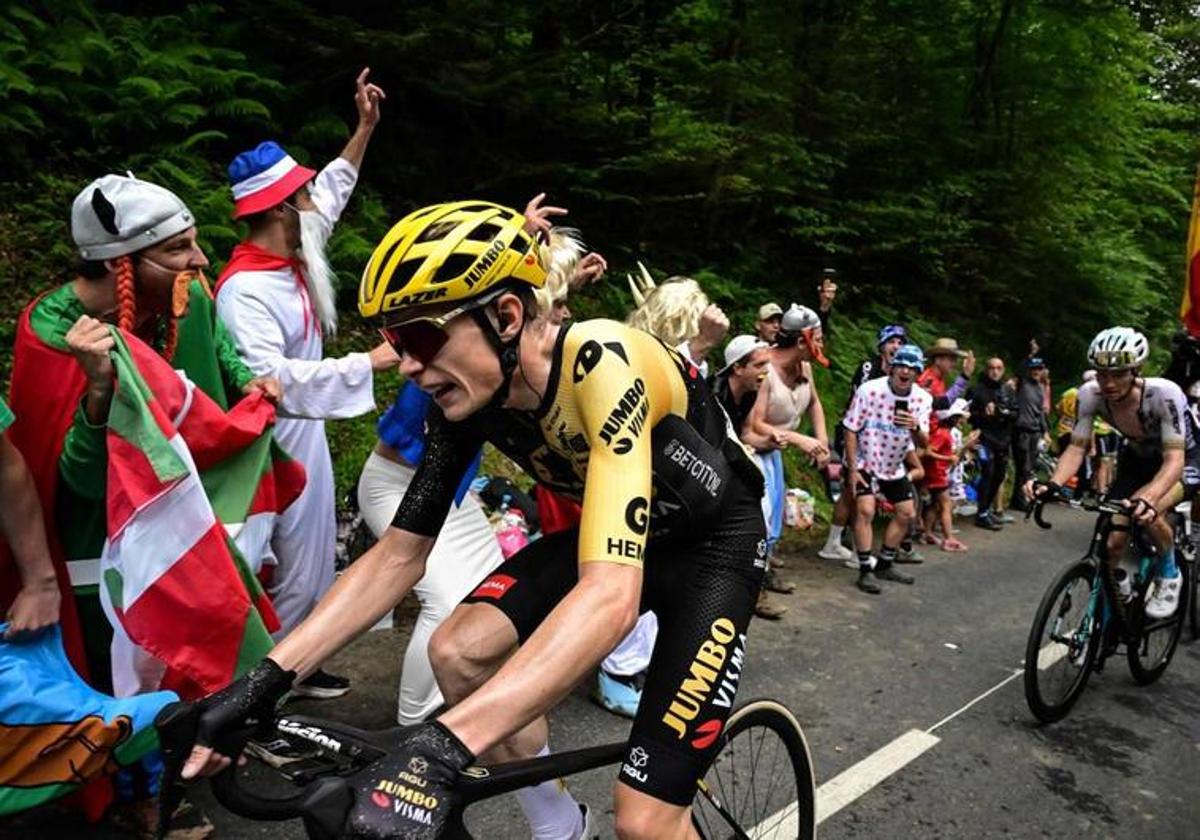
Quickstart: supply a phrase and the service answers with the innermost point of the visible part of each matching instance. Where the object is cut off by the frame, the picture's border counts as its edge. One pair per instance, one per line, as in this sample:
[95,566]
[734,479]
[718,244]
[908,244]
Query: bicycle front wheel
[1151,649]
[761,784]
[1062,644]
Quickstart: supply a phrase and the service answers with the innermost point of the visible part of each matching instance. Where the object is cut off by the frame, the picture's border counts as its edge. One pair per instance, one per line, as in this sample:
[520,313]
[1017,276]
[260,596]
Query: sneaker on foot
[1004,517]
[910,555]
[886,571]
[775,583]
[838,552]
[1165,599]
[618,693]
[868,583]
[589,832]
[987,523]
[768,609]
[320,685]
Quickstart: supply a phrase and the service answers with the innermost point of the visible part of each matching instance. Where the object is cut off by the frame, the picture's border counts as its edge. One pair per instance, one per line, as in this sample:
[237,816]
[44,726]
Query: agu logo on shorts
[494,587]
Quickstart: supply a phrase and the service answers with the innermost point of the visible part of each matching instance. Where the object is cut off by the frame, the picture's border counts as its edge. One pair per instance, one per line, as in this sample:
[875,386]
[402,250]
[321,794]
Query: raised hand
[537,217]
[366,99]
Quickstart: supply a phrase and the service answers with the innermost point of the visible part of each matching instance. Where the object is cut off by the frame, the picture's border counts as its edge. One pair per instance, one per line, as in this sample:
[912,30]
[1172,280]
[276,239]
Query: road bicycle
[1083,618]
[761,785]
[1182,523]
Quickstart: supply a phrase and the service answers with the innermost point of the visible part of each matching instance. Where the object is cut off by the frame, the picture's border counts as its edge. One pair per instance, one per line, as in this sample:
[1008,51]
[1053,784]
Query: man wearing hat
[942,358]
[1031,424]
[141,269]
[766,327]
[891,337]
[277,298]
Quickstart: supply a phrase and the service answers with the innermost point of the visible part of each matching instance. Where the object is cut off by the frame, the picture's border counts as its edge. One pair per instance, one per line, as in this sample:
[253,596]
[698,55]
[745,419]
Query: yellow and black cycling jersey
[627,427]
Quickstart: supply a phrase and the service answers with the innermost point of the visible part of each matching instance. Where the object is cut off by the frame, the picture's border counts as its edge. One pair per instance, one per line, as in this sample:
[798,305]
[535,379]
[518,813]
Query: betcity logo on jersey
[693,465]
[704,674]
[633,407]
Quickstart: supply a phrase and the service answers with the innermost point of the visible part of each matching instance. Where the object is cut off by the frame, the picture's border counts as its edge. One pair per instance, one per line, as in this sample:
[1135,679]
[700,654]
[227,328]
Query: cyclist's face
[1115,384]
[462,375]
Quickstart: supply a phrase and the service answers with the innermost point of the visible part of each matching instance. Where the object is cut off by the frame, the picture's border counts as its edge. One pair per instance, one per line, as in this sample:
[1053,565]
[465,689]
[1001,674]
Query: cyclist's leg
[1132,474]
[485,630]
[704,595]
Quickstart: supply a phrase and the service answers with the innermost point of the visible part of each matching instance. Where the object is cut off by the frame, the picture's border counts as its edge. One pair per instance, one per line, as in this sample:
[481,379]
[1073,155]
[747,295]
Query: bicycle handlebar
[1092,506]
[323,803]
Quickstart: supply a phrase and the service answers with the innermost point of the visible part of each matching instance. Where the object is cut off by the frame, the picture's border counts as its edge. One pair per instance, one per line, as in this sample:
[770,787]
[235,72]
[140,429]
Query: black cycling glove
[229,718]
[410,794]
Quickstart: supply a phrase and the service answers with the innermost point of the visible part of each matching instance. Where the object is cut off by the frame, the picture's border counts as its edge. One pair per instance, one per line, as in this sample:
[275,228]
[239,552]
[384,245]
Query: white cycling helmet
[1118,348]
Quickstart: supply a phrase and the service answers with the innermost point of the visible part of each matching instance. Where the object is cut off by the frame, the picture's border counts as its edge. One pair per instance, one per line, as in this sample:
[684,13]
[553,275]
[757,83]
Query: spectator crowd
[917,448]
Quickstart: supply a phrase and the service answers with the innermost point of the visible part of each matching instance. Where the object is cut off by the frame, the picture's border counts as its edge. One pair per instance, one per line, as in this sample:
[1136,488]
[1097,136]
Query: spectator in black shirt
[1031,424]
[736,386]
[993,412]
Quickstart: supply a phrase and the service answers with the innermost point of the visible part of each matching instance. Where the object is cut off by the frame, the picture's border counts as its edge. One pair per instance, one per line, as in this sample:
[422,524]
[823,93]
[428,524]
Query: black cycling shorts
[703,593]
[1107,445]
[1136,471]
[895,490]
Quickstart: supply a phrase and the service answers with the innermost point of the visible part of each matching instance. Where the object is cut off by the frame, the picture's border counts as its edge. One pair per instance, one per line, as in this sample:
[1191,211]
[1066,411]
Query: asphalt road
[860,672]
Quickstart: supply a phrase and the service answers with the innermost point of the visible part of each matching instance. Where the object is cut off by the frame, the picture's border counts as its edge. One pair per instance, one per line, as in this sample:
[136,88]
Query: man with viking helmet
[671,521]
[140,269]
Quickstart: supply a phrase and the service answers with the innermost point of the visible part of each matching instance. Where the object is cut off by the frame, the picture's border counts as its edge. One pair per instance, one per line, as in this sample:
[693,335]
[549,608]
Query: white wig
[559,258]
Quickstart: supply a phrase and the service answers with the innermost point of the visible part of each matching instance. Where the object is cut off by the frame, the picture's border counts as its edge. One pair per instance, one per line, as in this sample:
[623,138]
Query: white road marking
[1016,673]
[853,782]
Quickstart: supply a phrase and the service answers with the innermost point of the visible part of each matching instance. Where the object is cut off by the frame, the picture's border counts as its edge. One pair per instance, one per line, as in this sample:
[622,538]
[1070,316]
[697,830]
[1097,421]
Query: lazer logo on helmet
[632,407]
[696,687]
[416,298]
[485,262]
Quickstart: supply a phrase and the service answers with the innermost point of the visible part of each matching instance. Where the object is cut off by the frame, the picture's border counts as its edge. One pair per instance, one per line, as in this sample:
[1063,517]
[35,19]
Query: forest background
[992,170]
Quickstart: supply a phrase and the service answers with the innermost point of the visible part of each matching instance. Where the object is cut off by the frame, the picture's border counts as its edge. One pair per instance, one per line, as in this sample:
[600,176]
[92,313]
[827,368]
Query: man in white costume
[276,296]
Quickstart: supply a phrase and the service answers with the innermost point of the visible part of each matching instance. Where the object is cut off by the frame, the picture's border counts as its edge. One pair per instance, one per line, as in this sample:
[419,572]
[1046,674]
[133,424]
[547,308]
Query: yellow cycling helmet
[447,255]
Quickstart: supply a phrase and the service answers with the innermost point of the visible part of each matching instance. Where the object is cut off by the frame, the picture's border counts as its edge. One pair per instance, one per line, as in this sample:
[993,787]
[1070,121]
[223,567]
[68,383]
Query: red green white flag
[184,476]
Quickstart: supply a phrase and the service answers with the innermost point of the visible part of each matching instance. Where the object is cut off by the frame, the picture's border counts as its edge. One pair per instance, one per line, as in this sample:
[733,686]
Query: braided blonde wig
[671,311]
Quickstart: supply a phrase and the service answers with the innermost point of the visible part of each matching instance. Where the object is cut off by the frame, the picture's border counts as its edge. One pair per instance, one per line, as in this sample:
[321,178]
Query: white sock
[552,812]
[835,536]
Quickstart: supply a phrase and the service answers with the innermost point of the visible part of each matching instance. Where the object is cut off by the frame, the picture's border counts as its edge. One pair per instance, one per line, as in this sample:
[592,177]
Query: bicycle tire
[1193,605]
[1046,706]
[1146,672]
[776,819]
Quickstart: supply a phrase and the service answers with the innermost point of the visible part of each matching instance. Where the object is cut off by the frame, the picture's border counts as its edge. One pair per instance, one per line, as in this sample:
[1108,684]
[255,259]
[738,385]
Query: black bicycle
[761,784]
[1187,554]
[1086,615]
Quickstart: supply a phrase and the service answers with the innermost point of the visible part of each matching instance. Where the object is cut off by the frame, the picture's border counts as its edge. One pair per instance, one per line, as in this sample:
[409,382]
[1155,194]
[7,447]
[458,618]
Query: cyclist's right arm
[371,587]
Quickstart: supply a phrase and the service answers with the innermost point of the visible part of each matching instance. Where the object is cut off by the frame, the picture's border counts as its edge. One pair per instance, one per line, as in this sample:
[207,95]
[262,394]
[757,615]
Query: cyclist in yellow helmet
[671,521]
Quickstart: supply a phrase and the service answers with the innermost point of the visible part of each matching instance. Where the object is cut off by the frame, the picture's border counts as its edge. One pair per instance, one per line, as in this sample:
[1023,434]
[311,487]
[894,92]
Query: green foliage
[989,169]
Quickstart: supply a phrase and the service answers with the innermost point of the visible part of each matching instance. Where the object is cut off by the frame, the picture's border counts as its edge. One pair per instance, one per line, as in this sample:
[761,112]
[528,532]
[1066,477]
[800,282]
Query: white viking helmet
[118,214]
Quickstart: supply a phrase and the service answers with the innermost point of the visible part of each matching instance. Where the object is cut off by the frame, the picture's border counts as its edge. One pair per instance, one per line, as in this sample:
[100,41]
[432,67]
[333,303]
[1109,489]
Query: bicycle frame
[1101,604]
